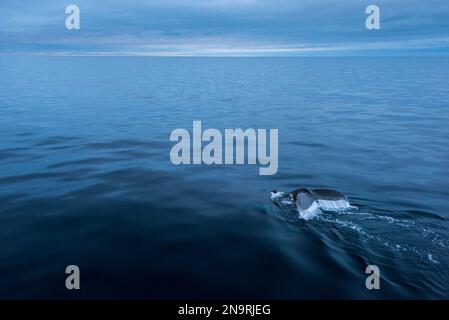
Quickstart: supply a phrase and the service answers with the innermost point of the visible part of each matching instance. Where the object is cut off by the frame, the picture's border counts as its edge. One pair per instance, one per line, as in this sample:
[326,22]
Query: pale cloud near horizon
[202,49]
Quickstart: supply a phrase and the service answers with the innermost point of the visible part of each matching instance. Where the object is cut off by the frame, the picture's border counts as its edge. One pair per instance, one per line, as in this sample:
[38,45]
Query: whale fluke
[309,202]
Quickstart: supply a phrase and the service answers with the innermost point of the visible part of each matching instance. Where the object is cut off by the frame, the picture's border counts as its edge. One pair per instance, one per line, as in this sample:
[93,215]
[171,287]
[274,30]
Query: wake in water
[310,203]
[407,235]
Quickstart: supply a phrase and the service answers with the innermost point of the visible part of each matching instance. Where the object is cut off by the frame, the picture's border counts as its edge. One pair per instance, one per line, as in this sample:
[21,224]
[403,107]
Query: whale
[310,202]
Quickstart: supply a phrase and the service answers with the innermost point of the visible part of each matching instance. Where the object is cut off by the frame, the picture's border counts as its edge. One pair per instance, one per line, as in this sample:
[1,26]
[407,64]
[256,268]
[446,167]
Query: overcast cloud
[223,27]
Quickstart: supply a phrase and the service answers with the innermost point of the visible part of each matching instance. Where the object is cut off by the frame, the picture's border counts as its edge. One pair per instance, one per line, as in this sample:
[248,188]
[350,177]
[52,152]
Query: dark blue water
[86,177]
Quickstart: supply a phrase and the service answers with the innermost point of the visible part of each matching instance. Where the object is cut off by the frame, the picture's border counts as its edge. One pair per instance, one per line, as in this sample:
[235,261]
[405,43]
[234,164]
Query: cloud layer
[223,27]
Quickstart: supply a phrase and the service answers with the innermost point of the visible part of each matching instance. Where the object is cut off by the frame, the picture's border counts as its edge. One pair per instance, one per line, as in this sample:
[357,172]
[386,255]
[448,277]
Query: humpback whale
[309,202]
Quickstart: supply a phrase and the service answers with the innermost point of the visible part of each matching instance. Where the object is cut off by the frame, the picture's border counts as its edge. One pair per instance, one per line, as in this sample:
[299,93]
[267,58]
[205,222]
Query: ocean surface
[86,178]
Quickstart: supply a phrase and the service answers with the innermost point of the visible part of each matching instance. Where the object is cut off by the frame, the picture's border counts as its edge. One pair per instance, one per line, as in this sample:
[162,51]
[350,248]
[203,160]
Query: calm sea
[86,177]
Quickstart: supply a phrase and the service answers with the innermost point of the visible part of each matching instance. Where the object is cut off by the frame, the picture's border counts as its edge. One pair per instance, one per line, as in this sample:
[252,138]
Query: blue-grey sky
[224,27]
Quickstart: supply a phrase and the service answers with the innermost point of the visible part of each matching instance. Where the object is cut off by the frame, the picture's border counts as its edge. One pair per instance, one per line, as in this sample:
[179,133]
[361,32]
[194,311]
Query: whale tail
[309,203]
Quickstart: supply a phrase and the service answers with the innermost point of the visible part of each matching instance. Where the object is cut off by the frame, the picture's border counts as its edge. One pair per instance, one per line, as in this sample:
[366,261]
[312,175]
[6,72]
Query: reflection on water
[86,177]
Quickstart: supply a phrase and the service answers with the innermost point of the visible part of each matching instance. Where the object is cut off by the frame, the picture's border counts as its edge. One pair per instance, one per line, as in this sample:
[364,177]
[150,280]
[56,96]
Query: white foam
[327,205]
[429,256]
[275,195]
[333,205]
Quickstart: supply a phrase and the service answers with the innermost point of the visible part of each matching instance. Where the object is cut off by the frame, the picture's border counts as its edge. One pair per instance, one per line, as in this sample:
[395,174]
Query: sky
[224,27]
